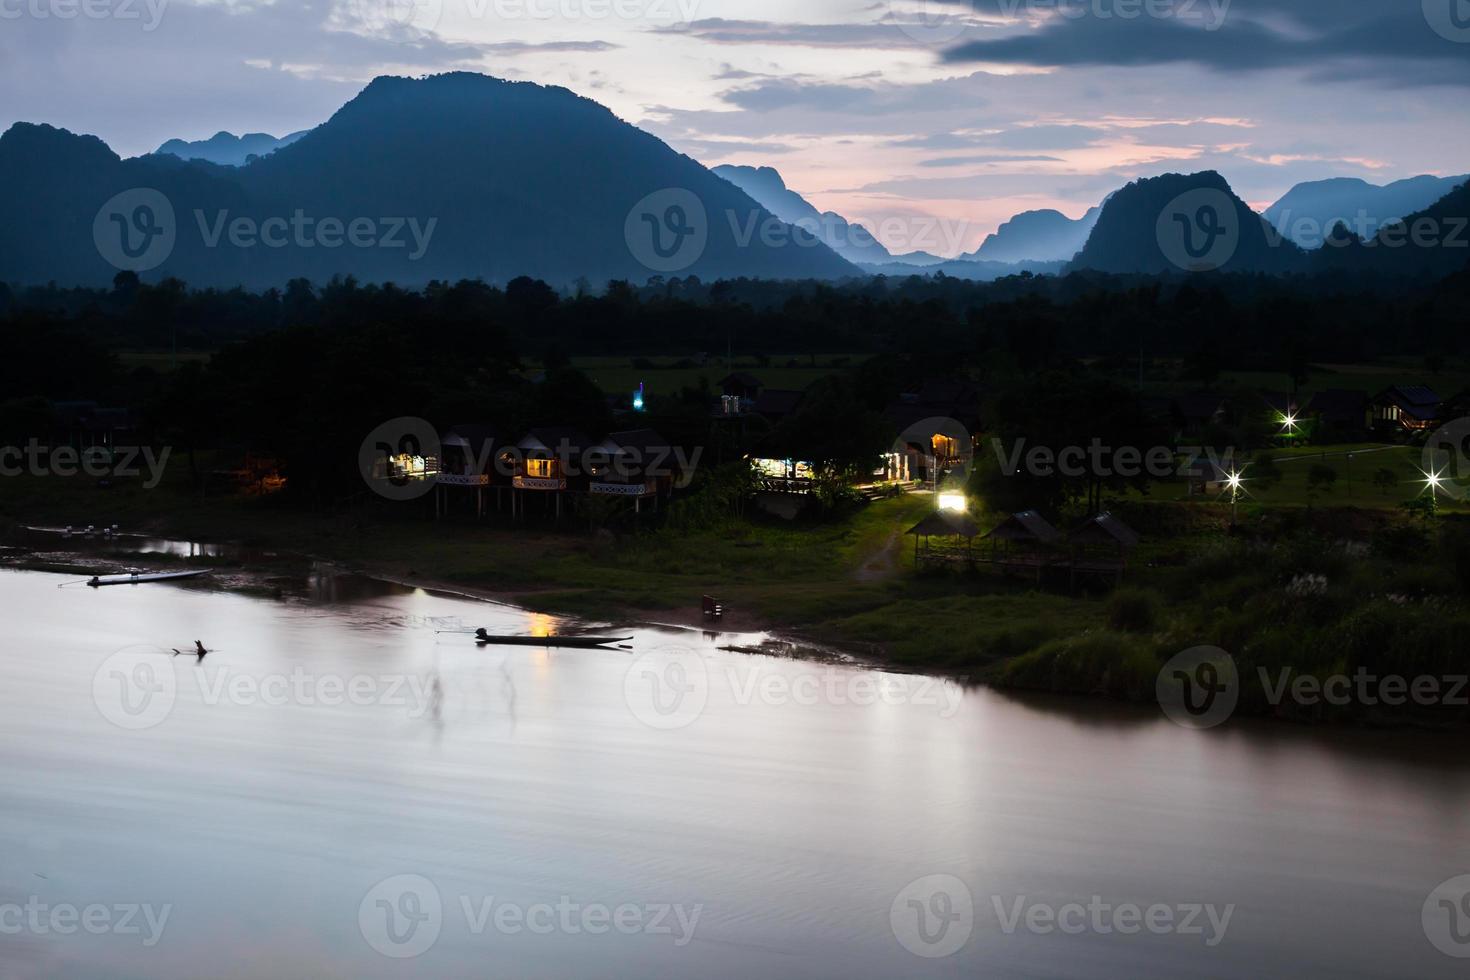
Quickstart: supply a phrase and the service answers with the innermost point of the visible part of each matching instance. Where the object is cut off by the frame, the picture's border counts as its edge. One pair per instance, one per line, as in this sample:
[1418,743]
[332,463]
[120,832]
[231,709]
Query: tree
[1385,480]
[1321,478]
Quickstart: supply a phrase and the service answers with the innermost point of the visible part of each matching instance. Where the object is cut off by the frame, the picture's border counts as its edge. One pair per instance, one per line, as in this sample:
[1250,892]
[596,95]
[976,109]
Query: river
[340,789]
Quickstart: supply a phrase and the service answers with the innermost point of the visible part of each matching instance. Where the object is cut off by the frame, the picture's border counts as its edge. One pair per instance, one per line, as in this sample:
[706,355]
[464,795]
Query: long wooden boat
[570,642]
[137,578]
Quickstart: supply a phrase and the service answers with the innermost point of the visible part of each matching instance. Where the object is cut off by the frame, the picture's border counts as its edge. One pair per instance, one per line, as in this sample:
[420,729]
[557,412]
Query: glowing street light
[953,502]
[1234,480]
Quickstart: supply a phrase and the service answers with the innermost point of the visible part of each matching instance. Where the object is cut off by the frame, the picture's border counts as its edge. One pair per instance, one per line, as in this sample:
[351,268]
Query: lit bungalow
[638,464]
[1408,408]
[548,462]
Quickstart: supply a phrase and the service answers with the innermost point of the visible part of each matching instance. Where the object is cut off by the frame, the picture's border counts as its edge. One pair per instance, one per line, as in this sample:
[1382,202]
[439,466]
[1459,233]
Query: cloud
[1389,40]
[889,33]
[982,159]
[511,49]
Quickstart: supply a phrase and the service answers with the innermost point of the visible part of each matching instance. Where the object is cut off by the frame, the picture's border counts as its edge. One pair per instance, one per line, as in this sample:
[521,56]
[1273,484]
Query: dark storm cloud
[1391,41]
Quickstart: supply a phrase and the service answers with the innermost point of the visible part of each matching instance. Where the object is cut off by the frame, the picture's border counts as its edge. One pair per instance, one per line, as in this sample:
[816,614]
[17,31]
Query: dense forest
[304,372]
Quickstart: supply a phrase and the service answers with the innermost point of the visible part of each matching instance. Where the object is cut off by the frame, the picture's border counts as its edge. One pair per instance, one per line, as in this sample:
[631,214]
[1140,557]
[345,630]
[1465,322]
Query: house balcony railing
[539,483]
[464,479]
[646,489]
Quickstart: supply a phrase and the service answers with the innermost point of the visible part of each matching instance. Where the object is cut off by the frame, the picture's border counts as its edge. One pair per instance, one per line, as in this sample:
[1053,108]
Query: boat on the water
[571,642]
[137,578]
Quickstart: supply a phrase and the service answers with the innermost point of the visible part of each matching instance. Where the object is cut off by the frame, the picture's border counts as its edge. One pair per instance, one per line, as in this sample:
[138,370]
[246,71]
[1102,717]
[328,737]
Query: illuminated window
[945,447]
[541,469]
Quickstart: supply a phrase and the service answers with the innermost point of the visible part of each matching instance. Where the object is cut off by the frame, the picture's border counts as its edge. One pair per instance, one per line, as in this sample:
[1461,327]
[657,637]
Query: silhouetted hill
[449,177]
[851,241]
[1429,244]
[1308,211]
[1176,223]
[227,149]
[1037,236]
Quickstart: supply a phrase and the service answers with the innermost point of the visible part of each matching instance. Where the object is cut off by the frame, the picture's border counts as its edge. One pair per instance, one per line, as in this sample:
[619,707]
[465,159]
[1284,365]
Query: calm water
[493,810]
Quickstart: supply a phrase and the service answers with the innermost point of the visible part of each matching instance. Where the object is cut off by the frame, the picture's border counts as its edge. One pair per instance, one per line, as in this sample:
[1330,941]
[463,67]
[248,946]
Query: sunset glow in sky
[966,112]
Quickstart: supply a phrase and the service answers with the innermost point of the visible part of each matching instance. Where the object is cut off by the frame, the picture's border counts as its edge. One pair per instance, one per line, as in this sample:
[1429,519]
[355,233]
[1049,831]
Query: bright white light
[1234,480]
[953,502]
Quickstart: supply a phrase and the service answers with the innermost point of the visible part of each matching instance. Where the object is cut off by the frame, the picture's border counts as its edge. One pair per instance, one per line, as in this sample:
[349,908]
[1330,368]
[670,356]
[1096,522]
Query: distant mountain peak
[456,176]
[1178,223]
[766,186]
[227,149]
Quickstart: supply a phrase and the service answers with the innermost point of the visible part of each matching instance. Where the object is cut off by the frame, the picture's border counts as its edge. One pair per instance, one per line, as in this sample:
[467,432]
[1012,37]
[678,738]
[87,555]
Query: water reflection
[339,741]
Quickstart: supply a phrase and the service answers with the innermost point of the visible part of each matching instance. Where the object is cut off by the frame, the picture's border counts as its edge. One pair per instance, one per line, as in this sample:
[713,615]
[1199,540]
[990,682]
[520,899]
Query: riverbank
[1317,592]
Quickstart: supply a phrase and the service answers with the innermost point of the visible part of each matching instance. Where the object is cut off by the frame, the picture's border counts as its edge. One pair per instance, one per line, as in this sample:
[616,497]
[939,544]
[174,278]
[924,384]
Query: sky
[930,121]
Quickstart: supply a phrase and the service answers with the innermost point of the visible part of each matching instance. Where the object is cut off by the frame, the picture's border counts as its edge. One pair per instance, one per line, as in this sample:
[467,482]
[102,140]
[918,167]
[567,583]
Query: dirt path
[881,564]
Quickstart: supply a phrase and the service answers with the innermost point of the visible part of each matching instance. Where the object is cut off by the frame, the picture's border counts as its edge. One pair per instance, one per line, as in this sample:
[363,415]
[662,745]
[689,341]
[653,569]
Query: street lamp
[1234,480]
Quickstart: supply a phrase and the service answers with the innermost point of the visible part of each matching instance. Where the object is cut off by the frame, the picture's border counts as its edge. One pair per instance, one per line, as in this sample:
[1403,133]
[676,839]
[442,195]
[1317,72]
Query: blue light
[638,398]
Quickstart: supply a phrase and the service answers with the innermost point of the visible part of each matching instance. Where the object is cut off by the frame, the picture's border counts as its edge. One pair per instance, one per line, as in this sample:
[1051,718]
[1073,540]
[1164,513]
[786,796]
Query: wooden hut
[1101,547]
[948,526]
[1025,540]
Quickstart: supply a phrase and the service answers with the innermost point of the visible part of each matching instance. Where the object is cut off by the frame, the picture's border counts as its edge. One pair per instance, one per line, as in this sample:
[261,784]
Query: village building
[467,468]
[548,464]
[1404,408]
[637,465]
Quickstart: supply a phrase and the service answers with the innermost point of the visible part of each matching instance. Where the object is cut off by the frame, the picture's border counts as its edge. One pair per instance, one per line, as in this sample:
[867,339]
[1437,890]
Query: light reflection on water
[792,818]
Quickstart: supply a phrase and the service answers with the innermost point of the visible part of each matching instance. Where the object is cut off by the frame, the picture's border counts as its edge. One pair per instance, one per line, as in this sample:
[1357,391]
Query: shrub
[1093,663]
[1133,611]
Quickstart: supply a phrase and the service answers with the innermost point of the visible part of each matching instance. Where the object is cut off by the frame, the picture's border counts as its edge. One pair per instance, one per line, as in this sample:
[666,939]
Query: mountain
[1432,243]
[446,177]
[1037,236]
[853,242]
[227,149]
[1310,210]
[1177,223]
